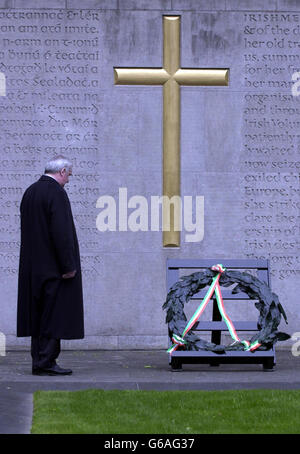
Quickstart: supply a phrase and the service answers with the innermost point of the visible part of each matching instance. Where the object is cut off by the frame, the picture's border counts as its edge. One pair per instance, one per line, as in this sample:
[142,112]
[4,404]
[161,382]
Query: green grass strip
[166,412]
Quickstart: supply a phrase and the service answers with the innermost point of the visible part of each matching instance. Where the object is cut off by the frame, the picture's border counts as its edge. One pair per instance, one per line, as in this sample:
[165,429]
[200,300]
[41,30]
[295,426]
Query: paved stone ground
[127,370]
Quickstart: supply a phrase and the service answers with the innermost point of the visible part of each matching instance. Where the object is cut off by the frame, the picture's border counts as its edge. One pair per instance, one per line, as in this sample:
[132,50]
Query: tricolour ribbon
[214,288]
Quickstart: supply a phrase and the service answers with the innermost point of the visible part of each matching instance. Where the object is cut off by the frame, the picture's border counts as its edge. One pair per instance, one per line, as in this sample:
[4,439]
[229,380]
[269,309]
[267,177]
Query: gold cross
[171,76]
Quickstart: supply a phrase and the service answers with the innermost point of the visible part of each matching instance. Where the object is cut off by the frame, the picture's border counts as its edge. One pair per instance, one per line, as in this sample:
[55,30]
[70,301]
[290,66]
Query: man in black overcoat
[50,302]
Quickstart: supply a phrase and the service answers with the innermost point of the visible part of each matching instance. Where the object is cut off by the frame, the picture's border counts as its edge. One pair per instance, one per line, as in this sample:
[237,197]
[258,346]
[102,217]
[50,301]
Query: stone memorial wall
[270,158]
[240,145]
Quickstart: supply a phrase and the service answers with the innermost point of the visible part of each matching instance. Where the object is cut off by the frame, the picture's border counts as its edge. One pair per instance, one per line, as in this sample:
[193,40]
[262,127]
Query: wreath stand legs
[215,335]
[268,365]
[176,365]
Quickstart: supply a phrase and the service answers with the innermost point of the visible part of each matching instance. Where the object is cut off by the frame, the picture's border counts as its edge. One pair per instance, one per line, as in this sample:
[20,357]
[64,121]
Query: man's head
[59,168]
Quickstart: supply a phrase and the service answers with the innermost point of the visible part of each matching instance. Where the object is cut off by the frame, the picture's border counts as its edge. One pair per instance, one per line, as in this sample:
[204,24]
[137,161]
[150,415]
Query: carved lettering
[270,160]
[51,62]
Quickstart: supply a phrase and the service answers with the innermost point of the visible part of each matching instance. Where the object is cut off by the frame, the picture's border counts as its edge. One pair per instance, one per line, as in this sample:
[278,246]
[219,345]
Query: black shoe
[54,370]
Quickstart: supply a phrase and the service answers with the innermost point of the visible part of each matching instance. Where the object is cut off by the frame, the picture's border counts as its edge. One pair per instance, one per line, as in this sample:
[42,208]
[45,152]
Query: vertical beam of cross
[171,76]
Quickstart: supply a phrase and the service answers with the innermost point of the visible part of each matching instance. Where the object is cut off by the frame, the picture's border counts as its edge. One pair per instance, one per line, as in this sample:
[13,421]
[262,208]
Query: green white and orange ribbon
[214,288]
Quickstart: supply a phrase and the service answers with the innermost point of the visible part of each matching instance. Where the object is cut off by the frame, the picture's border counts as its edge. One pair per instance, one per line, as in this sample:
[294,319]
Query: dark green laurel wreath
[268,305]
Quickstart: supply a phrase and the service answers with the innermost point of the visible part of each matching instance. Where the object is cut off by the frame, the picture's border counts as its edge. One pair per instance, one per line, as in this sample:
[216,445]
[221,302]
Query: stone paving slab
[15,411]
[138,370]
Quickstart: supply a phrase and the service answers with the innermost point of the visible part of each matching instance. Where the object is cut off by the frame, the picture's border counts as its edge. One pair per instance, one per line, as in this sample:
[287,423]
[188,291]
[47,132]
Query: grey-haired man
[50,302]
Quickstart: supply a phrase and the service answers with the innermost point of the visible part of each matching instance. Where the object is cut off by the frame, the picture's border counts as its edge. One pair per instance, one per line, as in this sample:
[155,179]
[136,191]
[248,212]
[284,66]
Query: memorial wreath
[268,305]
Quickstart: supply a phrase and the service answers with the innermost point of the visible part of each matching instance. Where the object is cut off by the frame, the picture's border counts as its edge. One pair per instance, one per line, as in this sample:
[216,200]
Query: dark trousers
[44,351]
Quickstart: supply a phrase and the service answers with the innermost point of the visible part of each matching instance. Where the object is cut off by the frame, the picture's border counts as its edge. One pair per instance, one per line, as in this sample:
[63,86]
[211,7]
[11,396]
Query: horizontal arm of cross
[208,77]
[159,76]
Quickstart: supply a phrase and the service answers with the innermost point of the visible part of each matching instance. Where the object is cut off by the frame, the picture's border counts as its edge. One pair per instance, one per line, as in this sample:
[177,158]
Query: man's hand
[69,274]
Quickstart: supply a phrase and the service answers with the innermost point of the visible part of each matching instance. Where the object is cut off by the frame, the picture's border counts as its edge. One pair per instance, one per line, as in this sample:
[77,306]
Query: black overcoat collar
[47,178]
